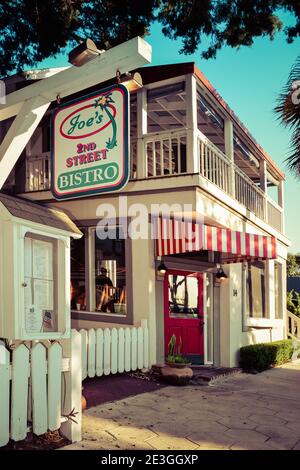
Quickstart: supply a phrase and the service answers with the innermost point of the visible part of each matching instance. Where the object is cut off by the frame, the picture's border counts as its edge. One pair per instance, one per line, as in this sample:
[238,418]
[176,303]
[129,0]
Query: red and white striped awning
[177,236]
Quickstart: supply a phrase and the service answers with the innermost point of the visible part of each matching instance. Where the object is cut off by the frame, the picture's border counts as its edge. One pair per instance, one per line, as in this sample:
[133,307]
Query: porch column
[281,203]
[231,335]
[143,289]
[229,152]
[192,163]
[264,185]
[141,132]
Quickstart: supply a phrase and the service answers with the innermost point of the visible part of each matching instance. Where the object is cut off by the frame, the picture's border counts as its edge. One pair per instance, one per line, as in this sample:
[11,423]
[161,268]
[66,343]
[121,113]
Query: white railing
[275,215]
[39,388]
[38,172]
[249,194]
[165,153]
[114,350]
[293,326]
[213,164]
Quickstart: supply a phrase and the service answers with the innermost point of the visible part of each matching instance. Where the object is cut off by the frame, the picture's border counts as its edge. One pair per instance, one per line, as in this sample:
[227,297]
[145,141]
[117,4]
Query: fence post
[71,398]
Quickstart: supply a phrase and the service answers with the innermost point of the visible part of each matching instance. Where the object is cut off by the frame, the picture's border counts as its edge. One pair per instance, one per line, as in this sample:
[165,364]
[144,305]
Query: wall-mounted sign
[90,144]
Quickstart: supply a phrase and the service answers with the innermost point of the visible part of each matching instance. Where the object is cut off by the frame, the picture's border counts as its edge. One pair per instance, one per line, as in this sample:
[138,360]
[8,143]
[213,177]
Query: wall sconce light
[162,269]
[221,276]
[132,81]
[83,53]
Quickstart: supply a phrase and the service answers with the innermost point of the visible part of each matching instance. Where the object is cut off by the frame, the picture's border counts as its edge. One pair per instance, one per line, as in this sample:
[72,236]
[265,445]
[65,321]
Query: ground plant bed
[49,441]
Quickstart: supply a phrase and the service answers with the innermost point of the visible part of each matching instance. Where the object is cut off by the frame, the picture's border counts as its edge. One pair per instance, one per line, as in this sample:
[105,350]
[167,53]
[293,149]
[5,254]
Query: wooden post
[229,152]
[141,132]
[264,185]
[192,157]
[72,389]
[281,203]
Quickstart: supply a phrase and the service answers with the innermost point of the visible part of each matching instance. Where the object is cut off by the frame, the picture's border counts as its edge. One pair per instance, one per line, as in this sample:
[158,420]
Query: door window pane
[183,296]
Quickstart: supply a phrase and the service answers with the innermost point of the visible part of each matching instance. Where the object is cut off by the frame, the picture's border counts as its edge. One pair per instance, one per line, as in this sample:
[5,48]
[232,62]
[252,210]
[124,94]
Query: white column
[281,203]
[192,156]
[263,175]
[264,185]
[143,289]
[141,132]
[229,152]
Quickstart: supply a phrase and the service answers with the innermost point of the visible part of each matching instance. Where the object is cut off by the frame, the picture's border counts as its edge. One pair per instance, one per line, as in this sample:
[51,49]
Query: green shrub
[264,355]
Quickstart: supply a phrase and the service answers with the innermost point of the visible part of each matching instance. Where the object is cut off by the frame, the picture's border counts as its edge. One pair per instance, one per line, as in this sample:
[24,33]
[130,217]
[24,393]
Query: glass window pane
[256,290]
[183,296]
[110,272]
[78,284]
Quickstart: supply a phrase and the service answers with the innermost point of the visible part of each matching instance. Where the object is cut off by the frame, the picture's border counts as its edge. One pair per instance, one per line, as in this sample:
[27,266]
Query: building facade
[189,155]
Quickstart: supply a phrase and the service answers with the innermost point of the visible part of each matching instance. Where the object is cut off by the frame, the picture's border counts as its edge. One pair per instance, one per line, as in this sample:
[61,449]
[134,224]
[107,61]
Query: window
[278,289]
[40,284]
[98,273]
[110,272]
[256,290]
[46,138]
[78,285]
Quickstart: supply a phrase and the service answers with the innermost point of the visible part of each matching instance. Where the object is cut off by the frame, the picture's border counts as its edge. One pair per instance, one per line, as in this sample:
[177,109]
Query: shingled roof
[38,213]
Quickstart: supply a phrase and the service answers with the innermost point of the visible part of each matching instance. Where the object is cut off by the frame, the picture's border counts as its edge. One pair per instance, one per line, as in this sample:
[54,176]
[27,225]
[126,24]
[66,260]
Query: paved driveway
[242,412]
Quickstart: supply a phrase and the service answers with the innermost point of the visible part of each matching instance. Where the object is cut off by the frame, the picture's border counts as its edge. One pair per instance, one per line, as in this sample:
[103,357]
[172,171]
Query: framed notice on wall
[39,285]
[90,144]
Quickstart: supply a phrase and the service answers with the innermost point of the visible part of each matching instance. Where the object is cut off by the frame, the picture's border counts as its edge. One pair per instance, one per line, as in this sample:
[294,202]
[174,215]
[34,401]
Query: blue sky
[249,79]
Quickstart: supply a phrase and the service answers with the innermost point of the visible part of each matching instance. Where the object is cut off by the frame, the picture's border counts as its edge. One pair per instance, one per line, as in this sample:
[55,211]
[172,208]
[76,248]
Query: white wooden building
[186,147]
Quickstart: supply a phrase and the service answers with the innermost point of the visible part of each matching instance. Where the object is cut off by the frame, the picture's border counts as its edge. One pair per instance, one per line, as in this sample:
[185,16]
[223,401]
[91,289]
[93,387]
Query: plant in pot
[175,358]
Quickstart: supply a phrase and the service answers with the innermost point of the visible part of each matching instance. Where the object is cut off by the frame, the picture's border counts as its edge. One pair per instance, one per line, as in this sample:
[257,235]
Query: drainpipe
[244,297]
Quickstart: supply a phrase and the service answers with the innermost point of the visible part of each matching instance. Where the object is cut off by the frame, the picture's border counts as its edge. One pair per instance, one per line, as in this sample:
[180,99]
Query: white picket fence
[39,387]
[114,350]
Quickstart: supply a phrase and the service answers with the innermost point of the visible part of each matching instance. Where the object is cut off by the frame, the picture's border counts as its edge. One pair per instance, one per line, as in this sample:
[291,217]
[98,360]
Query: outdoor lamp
[221,276]
[83,53]
[132,81]
[162,268]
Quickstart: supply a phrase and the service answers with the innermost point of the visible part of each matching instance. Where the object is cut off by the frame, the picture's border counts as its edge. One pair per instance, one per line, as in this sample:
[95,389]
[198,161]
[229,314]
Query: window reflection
[183,295]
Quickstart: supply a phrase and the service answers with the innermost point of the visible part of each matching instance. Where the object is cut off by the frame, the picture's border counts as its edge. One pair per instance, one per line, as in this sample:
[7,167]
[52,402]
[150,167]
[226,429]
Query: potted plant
[175,358]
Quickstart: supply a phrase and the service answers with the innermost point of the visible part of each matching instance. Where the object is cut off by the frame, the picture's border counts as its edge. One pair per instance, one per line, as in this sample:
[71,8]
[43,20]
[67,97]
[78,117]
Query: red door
[184,309]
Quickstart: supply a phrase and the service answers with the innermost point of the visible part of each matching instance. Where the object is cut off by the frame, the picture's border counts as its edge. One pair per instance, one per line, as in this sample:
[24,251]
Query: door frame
[183,272]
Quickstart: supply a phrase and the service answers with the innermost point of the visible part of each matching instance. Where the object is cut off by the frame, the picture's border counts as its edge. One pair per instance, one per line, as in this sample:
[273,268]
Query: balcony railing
[165,154]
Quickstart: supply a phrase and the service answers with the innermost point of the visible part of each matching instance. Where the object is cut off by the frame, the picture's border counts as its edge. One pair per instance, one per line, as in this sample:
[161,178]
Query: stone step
[210,373]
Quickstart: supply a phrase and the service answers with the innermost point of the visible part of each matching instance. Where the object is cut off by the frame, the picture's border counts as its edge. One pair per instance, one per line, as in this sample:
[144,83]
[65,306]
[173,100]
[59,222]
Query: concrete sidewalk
[242,412]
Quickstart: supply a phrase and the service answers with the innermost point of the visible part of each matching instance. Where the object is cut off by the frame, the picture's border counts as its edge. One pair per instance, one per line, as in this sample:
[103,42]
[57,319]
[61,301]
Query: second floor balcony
[180,126]
[164,154]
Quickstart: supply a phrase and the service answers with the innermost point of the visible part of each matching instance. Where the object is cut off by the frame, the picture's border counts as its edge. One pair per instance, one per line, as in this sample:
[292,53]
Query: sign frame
[126,149]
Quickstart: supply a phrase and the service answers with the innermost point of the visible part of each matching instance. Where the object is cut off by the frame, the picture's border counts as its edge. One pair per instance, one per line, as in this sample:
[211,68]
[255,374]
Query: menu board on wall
[38,286]
[33,319]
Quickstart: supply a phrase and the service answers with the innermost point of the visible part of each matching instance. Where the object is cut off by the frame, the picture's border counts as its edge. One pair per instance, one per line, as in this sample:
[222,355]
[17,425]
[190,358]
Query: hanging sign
[90,144]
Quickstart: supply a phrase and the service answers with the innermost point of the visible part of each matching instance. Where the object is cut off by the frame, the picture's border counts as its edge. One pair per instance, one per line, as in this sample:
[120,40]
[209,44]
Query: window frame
[60,274]
[89,229]
[264,293]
